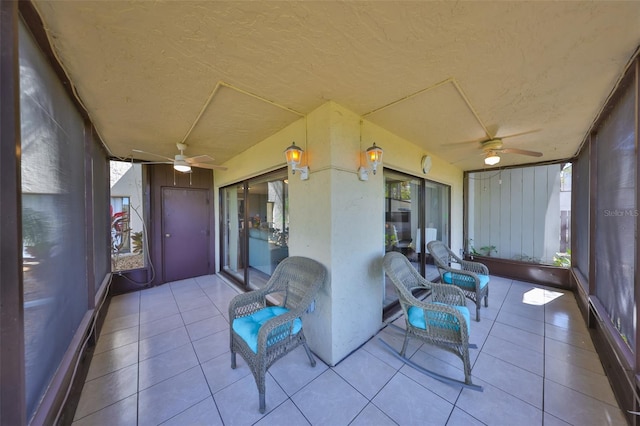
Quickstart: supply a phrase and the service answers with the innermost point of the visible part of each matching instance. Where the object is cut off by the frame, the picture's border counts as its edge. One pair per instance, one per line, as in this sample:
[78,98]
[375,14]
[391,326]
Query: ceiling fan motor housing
[492,145]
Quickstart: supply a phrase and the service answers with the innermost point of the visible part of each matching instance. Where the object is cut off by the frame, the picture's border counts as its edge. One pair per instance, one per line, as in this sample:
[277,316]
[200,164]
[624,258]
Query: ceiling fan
[492,146]
[181,162]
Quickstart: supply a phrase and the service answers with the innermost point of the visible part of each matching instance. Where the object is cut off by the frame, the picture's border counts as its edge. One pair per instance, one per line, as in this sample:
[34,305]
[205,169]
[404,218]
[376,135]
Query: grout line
[198,358]
[492,324]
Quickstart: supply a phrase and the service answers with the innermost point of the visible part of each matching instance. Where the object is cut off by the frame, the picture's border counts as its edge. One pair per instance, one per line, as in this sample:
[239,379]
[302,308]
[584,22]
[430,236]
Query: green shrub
[138,245]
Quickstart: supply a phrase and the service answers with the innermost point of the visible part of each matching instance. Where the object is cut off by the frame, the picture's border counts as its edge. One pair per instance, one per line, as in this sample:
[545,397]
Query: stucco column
[338,220]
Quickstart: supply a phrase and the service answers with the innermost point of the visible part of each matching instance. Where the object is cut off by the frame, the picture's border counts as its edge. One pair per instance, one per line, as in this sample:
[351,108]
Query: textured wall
[338,220]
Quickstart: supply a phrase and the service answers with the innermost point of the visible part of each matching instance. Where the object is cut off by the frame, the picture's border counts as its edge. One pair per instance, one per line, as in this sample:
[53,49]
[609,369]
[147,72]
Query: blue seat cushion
[438,319]
[465,280]
[248,327]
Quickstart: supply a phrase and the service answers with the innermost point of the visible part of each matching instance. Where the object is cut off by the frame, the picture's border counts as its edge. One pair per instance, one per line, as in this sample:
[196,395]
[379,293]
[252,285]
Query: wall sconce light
[294,157]
[374,159]
[491,159]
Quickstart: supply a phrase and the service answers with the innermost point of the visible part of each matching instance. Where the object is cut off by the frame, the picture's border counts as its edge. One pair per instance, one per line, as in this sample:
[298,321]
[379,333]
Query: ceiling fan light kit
[493,147]
[181,165]
[491,159]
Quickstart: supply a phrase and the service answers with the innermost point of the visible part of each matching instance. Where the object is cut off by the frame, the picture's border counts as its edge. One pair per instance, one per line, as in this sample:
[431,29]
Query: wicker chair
[471,277]
[443,321]
[263,334]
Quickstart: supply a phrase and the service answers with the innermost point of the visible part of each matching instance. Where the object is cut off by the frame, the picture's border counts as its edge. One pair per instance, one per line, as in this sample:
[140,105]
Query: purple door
[185,233]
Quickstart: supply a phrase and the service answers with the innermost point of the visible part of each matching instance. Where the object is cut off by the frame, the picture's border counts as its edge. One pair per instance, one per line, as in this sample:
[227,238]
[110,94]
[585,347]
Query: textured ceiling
[215,74]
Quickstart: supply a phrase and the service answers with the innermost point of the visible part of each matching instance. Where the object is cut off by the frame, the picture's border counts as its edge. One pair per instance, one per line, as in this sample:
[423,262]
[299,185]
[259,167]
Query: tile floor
[163,358]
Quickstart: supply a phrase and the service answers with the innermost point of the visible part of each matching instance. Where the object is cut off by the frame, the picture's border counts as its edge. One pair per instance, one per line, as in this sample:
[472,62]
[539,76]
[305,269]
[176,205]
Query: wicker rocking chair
[263,334]
[471,277]
[443,321]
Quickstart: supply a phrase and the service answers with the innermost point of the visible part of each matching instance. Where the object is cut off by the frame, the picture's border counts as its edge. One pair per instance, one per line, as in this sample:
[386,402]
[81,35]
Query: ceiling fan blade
[483,140]
[151,153]
[479,154]
[207,166]
[519,151]
[513,135]
[157,162]
[460,144]
[199,159]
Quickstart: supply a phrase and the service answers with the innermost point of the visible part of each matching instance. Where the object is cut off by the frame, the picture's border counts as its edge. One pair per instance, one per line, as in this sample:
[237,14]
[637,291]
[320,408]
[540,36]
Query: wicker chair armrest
[276,329]
[422,282]
[456,281]
[246,304]
[432,307]
[477,267]
[464,330]
[449,294]
[454,272]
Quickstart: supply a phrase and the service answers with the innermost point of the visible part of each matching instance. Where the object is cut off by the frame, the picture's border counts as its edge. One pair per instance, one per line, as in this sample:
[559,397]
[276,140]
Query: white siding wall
[517,211]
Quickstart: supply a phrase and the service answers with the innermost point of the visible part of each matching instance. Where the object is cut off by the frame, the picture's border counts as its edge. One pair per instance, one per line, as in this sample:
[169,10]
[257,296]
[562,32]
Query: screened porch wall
[605,241]
[516,213]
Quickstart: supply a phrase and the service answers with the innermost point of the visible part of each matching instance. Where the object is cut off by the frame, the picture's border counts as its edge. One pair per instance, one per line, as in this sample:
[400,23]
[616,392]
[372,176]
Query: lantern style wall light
[294,158]
[491,159]
[374,159]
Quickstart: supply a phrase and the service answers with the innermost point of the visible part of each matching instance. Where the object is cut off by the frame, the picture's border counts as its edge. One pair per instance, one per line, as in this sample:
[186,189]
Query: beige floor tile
[151,368]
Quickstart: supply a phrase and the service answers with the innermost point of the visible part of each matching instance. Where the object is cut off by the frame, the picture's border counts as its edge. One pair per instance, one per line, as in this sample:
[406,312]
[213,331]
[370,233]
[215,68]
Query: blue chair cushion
[466,281]
[249,326]
[438,319]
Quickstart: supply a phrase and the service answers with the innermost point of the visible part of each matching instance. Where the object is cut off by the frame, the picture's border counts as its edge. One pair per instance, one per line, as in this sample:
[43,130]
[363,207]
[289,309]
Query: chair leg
[478,303]
[405,344]
[233,359]
[312,360]
[261,381]
[486,299]
[467,366]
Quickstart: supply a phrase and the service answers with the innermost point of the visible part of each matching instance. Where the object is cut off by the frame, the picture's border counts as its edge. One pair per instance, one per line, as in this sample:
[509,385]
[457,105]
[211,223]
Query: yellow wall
[399,154]
[339,220]
[403,156]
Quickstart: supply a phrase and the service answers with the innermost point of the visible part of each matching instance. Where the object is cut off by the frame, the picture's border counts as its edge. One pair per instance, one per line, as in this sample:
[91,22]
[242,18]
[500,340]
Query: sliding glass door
[416,212]
[255,228]
[232,250]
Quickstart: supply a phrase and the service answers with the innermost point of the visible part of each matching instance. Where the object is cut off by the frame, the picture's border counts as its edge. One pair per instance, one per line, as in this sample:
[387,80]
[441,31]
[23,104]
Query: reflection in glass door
[416,212]
[255,228]
[232,231]
[436,214]
[267,226]
[401,220]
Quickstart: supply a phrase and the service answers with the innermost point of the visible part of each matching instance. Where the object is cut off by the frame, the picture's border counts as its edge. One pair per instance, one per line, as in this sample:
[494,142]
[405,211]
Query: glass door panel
[416,212]
[267,226]
[254,228]
[436,219]
[401,222]
[232,232]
